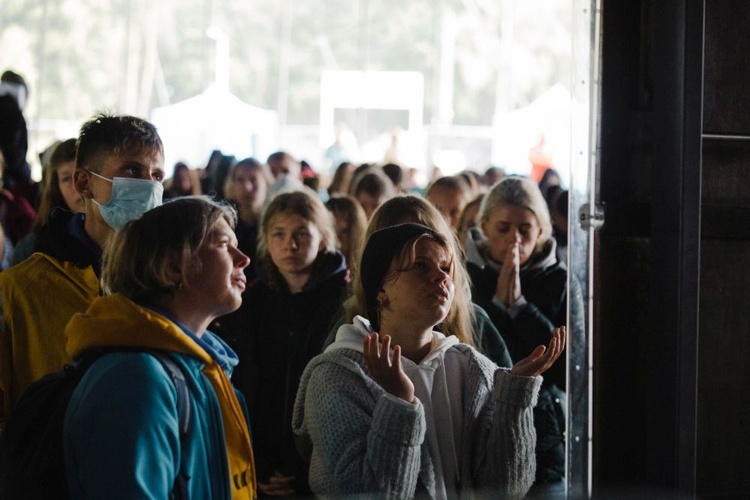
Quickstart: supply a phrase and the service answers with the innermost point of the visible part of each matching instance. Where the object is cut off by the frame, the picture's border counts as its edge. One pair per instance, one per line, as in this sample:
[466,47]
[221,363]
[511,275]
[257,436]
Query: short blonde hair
[138,259]
[519,192]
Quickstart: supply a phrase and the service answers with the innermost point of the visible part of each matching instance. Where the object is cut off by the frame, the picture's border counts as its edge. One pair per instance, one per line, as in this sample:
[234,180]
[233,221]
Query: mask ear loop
[100,176]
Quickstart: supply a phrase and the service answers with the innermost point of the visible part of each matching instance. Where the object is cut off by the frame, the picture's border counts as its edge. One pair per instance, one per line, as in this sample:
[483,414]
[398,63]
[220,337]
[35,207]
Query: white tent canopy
[215,119]
[551,116]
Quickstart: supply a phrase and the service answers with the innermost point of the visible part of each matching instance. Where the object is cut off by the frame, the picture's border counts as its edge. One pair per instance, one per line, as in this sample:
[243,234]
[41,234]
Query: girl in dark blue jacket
[285,318]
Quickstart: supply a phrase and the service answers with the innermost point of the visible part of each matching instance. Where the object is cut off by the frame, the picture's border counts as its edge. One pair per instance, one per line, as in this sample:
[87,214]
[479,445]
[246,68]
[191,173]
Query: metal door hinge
[591,219]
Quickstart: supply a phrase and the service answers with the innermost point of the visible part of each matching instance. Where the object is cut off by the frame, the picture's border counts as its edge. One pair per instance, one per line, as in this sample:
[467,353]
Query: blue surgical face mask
[130,199]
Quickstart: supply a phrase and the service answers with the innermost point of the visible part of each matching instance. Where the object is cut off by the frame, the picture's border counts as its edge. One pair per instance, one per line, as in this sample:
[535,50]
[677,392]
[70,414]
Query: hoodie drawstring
[450,417]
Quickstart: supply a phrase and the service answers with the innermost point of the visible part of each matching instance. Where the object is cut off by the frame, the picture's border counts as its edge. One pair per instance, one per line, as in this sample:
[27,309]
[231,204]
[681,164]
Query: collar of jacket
[115,321]
[326,266]
[64,238]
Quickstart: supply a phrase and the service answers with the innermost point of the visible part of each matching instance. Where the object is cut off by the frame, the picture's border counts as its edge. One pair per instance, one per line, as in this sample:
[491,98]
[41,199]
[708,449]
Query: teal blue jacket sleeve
[120,433]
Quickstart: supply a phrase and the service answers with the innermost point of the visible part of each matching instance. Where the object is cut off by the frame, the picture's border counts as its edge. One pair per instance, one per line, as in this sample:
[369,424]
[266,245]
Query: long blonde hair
[348,208]
[307,205]
[410,208]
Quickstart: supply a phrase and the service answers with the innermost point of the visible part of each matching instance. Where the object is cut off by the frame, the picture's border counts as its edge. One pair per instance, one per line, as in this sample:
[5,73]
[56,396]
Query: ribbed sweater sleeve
[504,460]
[363,443]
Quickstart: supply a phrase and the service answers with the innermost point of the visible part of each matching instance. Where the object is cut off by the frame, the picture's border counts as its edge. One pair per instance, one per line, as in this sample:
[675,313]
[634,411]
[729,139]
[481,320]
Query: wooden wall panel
[727,67]
[724,368]
[726,171]
[723,444]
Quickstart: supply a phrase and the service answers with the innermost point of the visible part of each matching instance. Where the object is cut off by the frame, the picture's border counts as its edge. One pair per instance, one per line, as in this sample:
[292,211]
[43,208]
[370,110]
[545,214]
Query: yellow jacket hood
[115,321]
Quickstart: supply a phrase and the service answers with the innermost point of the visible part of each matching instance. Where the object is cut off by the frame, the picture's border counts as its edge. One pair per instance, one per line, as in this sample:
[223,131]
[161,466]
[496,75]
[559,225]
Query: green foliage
[85,55]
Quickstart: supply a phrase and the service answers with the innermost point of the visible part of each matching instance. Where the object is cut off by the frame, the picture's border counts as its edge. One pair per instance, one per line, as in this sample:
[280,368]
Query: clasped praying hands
[509,279]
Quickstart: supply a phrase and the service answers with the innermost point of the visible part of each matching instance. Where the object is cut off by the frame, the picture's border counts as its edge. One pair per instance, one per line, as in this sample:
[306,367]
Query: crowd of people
[357,336]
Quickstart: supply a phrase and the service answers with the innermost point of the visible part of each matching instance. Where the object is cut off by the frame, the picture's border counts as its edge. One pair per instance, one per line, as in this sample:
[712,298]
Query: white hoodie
[438,384]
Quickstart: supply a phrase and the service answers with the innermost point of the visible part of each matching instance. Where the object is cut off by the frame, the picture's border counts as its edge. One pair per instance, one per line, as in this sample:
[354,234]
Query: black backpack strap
[184,415]
[183,393]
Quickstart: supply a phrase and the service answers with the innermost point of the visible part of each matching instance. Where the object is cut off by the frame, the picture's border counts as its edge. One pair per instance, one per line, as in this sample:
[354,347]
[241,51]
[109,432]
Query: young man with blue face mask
[119,173]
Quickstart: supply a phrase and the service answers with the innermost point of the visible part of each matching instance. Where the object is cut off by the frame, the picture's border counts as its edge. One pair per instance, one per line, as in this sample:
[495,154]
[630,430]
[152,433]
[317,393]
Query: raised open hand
[386,371]
[542,358]
[508,289]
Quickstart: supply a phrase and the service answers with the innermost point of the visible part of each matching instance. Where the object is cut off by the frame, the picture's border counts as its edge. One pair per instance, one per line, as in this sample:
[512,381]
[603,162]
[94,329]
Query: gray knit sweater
[364,444]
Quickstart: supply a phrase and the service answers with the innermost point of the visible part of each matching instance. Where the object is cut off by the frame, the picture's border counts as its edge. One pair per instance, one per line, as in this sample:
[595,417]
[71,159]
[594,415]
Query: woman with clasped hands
[395,409]
[518,280]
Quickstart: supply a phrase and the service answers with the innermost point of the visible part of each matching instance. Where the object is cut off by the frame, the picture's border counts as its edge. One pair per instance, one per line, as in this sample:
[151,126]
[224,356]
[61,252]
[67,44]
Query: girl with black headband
[394,408]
